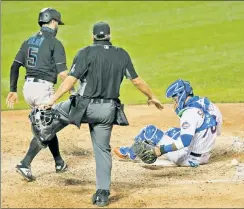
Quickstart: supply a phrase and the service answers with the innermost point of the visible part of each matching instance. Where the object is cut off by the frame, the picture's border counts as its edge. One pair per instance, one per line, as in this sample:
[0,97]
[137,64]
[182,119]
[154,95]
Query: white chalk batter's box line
[238,178]
[240,170]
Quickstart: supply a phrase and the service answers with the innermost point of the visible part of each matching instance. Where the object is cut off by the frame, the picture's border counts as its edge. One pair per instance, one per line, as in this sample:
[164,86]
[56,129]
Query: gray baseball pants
[37,93]
[100,117]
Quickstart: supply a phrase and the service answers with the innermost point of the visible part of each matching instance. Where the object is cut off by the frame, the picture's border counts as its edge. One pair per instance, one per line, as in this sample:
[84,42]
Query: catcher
[189,145]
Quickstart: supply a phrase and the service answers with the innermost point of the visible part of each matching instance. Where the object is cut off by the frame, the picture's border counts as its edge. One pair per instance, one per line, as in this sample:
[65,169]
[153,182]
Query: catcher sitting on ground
[189,145]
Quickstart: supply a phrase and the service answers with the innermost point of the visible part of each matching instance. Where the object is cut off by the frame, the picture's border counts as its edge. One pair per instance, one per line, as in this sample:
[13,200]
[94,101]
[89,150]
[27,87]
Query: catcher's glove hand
[145,151]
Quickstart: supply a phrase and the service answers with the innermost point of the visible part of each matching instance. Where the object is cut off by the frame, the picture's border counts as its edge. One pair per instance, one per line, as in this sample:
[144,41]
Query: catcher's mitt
[145,151]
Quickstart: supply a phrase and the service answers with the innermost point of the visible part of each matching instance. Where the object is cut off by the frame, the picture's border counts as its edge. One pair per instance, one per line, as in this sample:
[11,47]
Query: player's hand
[156,102]
[46,105]
[11,99]
[72,91]
[157,151]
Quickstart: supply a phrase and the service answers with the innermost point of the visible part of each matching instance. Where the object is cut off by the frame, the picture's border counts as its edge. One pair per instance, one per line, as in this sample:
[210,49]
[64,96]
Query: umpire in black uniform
[44,58]
[100,68]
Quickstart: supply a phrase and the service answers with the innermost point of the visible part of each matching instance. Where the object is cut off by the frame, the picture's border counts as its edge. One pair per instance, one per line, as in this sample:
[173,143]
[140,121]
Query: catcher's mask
[42,118]
[179,91]
[44,124]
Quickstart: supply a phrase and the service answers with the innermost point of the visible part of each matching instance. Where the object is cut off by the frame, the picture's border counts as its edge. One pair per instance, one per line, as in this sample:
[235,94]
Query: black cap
[101,29]
[48,14]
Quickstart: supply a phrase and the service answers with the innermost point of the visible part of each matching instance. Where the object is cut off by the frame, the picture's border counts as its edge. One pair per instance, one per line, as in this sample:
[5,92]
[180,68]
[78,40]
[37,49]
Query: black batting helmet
[48,14]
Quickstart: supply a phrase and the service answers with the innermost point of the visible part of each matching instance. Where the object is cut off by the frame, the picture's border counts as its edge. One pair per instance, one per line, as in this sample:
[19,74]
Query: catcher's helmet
[48,14]
[180,89]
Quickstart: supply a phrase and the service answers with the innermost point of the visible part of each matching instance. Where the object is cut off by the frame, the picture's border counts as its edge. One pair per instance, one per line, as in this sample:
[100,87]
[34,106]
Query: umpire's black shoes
[100,198]
[60,168]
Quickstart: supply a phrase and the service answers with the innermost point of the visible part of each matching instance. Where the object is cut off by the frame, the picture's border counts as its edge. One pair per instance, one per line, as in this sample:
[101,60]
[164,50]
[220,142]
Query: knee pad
[173,133]
[151,134]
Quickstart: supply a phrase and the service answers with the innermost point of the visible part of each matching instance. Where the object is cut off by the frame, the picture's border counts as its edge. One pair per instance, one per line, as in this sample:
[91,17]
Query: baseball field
[201,42]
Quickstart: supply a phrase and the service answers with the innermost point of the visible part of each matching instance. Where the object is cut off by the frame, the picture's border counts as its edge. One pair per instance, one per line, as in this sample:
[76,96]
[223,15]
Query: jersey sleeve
[59,57]
[14,75]
[20,56]
[80,64]
[188,125]
[130,72]
[189,121]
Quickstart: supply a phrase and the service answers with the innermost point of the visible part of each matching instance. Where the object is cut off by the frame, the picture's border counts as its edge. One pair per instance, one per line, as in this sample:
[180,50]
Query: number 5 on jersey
[32,56]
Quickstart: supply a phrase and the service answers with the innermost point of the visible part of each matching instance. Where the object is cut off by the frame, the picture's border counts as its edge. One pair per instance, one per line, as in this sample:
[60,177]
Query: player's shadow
[77,151]
[122,189]
[117,197]
[126,186]
[73,181]
[156,167]
[125,189]
[127,160]
[171,172]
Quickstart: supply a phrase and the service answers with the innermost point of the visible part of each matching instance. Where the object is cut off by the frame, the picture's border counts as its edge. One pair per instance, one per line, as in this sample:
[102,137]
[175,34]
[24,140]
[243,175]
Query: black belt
[195,154]
[100,101]
[36,80]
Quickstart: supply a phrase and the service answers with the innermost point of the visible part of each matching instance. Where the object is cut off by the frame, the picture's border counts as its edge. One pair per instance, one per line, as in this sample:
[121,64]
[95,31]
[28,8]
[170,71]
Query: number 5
[32,56]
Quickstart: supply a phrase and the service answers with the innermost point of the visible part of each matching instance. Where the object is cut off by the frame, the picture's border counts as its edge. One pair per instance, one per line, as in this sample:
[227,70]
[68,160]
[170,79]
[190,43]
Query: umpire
[44,58]
[100,68]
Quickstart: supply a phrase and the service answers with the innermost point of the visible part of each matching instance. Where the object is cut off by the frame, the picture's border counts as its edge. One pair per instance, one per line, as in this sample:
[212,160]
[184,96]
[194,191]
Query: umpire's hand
[46,105]
[156,102]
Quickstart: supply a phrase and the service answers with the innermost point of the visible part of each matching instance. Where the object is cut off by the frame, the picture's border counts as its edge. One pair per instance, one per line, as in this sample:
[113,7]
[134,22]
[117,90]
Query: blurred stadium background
[198,41]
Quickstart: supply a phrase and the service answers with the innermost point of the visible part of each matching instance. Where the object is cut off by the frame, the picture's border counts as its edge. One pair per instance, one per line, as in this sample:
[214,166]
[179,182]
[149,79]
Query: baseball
[234,162]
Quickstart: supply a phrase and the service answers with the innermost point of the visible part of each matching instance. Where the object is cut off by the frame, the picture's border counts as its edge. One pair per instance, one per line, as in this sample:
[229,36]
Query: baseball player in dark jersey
[43,56]
[100,69]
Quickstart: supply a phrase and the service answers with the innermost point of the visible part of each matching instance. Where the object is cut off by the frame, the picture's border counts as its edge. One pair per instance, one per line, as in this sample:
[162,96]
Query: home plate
[162,163]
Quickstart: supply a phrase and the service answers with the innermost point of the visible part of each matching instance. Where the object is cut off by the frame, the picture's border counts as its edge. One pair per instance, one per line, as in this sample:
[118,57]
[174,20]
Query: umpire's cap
[101,29]
[48,14]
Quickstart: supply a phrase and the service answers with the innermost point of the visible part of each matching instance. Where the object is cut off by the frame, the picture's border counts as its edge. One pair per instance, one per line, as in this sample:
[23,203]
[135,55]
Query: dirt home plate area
[218,184]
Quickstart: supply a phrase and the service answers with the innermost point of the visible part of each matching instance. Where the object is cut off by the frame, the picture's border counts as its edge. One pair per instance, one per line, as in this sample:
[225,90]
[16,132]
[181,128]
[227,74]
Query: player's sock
[54,148]
[34,149]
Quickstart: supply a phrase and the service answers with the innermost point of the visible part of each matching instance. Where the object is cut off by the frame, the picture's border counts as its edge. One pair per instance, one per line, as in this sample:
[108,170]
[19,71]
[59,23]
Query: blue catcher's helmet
[180,89]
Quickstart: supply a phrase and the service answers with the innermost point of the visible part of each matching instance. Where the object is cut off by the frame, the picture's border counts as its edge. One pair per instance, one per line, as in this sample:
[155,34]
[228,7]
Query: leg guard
[169,136]
[151,134]
[173,133]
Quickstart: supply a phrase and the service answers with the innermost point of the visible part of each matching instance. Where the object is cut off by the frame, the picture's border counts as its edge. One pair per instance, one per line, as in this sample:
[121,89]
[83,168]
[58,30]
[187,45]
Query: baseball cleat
[61,168]
[25,172]
[100,198]
[120,154]
[124,152]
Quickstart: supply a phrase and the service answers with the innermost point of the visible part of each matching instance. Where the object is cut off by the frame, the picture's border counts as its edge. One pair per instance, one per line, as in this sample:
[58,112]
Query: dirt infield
[133,185]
